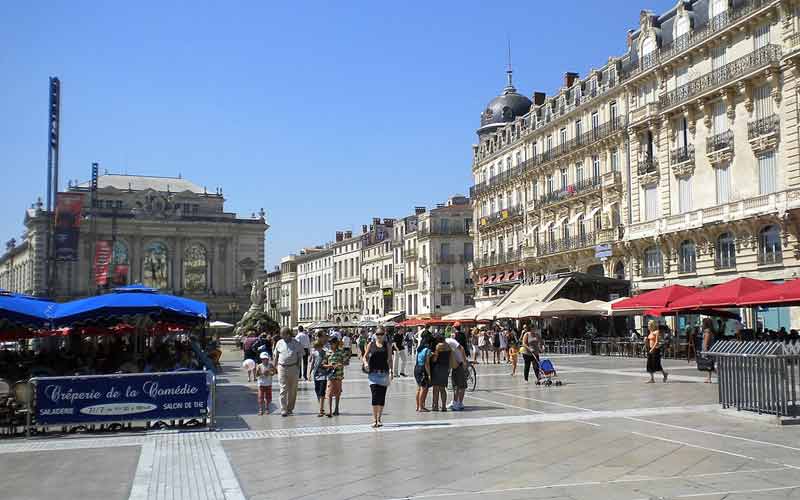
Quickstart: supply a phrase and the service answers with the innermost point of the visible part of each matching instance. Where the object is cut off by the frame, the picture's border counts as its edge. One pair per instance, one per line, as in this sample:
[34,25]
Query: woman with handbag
[378,362]
[705,363]
[653,344]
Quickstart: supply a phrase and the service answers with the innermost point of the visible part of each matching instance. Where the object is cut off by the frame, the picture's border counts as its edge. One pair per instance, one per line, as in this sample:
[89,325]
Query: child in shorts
[264,372]
[513,352]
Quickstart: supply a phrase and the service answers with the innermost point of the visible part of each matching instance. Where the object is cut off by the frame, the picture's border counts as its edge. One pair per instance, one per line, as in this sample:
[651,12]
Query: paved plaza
[605,434]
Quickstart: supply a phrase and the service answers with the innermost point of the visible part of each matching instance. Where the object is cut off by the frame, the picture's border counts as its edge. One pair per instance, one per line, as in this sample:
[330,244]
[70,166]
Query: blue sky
[324,113]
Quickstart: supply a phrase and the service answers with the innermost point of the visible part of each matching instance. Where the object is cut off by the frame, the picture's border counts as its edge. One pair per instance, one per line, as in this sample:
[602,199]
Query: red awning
[484,279]
[492,279]
[725,295]
[501,277]
[655,299]
[786,294]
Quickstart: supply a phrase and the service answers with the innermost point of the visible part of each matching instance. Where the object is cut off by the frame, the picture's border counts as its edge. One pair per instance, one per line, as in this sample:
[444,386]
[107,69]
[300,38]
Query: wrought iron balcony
[763,126]
[724,262]
[371,285]
[697,36]
[443,231]
[770,257]
[572,191]
[758,59]
[496,259]
[576,242]
[647,165]
[682,154]
[501,216]
[719,142]
[653,271]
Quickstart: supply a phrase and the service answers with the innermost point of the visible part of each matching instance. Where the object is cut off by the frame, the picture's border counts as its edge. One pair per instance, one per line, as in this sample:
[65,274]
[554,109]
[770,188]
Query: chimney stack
[419,210]
[348,235]
[538,98]
[569,79]
[364,229]
[339,236]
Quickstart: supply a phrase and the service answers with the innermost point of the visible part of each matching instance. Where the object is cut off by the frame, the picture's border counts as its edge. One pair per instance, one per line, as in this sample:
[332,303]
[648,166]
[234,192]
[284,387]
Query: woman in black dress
[378,361]
[442,362]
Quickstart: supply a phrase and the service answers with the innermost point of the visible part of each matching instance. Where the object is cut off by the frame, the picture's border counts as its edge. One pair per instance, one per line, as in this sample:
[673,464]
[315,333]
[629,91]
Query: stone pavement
[605,434]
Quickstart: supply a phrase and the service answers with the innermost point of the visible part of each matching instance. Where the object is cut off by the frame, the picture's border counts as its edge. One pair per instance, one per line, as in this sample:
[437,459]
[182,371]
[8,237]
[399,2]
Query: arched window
[597,221]
[120,263]
[564,231]
[652,262]
[726,252]
[687,257]
[769,246]
[581,228]
[155,266]
[195,269]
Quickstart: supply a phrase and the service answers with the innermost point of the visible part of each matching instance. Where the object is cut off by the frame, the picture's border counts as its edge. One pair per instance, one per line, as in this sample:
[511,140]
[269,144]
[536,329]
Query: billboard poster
[69,207]
[121,398]
[102,262]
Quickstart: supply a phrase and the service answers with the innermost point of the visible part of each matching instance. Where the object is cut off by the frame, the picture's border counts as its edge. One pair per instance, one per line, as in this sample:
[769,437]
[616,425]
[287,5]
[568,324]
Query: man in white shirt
[305,342]
[459,374]
[347,344]
[288,358]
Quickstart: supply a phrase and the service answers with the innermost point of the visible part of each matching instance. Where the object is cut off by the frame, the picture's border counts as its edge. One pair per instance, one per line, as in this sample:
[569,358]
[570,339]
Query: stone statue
[257,295]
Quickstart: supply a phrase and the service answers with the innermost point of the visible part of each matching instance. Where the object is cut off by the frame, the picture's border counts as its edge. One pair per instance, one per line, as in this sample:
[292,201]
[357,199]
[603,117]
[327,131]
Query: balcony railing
[370,285]
[587,138]
[763,57]
[682,155]
[725,262]
[575,242]
[719,142]
[770,258]
[763,126]
[647,165]
[502,215]
[582,187]
[653,271]
[695,37]
[443,231]
[496,259]
[412,281]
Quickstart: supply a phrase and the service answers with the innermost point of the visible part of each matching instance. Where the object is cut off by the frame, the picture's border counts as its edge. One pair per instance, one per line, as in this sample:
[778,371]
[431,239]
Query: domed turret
[504,108]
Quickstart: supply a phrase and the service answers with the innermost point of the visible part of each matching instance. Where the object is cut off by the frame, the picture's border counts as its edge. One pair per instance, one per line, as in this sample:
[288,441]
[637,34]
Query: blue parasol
[123,304]
[24,311]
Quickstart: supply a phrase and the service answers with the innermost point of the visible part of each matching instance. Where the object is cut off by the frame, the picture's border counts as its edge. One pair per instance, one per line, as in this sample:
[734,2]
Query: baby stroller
[548,373]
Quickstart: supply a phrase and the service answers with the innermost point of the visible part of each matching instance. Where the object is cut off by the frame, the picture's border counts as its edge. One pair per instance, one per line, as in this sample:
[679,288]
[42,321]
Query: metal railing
[763,126]
[576,242]
[509,257]
[695,37]
[647,165]
[581,187]
[769,54]
[758,377]
[719,142]
[500,216]
[443,231]
[682,155]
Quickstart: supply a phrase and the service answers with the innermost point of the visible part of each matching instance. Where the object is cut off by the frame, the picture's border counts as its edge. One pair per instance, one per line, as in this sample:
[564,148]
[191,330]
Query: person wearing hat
[264,373]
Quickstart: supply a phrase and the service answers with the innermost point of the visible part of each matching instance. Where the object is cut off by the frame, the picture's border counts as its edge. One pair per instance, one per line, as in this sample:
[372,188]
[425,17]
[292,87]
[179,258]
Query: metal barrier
[757,376]
[565,346]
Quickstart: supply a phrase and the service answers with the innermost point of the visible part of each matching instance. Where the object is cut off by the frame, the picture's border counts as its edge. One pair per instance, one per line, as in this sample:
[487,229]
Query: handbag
[705,363]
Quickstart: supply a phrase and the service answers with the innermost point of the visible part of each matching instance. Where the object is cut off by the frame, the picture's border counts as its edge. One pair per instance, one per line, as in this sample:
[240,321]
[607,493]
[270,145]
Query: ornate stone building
[676,162]
[315,285]
[163,232]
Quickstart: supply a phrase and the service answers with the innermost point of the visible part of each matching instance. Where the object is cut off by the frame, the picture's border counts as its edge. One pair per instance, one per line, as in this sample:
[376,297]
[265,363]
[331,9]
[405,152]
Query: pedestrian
[399,354]
[495,345]
[653,345]
[459,374]
[531,347]
[474,334]
[704,361]
[319,373]
[362,342]
[305,342]
[483,345]
[504,334]
[335,361]
[288,356]
[442,362]
[264,373]
[378,363]
[422,372]
[513,353]
[347,345]
[248,353]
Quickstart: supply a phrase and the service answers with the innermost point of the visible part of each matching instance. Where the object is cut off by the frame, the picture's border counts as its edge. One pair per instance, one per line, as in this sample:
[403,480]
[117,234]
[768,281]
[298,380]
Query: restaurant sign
[121,398]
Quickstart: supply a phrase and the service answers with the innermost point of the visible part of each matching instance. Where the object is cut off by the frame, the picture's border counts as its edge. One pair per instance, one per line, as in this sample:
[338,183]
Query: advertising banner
[102,262]
[69,207]
[121,398]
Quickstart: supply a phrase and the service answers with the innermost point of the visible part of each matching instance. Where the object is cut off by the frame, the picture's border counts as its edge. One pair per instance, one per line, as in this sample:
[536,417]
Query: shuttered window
[718,57]
[720,119]
[723,184]
[684,194]
[766,173]
[761,36]
[762,101]
[651,203]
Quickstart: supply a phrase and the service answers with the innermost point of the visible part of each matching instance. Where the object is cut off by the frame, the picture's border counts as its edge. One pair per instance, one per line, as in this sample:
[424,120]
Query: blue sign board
[121,398]
[603,251]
